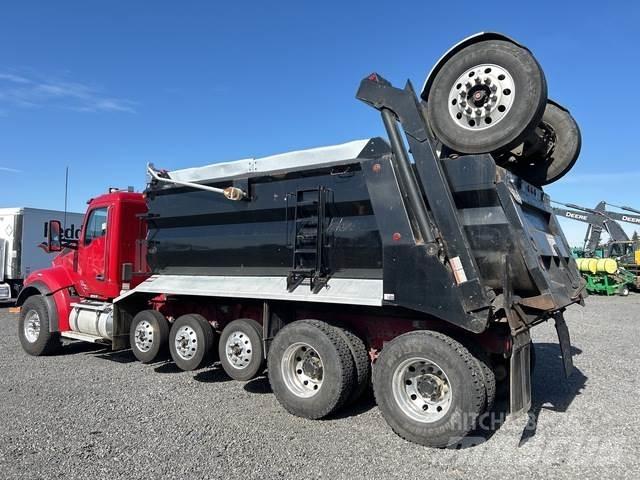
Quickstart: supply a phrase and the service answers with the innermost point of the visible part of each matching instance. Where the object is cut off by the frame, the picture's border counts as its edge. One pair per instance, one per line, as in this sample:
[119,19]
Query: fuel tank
[92,318]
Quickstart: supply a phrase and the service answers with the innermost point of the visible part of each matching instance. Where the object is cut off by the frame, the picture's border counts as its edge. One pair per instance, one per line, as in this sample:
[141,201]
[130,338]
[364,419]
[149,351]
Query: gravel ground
[90,413]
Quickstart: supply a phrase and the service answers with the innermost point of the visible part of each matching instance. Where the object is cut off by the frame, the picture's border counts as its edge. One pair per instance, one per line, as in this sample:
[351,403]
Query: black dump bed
[367,233]
[460,238]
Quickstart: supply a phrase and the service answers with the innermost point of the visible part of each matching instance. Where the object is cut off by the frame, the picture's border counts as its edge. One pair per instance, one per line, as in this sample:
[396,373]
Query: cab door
[92,254]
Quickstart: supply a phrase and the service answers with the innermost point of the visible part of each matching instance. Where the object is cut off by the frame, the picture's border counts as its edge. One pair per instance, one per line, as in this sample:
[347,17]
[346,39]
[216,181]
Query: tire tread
[345,358]
[361,360]
[476,388]
[163,335]
[241,374]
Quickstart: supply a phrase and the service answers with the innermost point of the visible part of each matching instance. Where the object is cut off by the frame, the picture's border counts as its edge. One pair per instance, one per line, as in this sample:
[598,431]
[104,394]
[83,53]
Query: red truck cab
[87,274]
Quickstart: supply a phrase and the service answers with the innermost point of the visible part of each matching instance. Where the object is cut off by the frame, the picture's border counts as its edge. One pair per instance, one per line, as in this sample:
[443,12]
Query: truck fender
[40,288]
[475,38]
[52,284]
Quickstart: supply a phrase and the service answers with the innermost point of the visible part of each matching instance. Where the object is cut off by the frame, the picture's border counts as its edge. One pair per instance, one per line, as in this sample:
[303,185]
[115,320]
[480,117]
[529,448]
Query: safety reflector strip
[458,271]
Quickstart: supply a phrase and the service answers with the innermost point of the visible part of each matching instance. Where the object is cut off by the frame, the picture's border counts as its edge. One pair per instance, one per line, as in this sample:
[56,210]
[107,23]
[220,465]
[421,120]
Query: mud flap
[520,375]
[565,344]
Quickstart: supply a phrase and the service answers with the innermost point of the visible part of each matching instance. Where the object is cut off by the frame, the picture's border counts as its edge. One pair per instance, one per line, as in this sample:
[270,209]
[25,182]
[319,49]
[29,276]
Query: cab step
[85,337]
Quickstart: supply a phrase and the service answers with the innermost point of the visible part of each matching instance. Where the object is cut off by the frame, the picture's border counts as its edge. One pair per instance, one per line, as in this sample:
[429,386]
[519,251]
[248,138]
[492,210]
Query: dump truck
[23,232]
[419,271]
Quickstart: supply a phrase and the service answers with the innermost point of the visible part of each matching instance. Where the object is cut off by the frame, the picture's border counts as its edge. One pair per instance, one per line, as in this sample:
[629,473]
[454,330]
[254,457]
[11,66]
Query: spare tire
[488,97]
[561,135]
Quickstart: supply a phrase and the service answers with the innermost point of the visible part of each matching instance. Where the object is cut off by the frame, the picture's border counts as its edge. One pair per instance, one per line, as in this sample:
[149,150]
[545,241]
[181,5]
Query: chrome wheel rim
[143,336]
[422,390]
[31,326]
[481,97]
[239,350]
[302,370]
[186,342]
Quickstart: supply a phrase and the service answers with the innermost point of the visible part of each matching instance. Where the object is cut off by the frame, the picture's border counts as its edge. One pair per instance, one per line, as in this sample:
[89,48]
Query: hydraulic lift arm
[438,226]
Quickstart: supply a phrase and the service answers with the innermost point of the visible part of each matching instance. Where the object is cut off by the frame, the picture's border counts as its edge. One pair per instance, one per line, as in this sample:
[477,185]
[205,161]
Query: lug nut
[487,106]
[468,85]
[478,111]
[463,104]
[494,98]
[468,110]
[493,88]
[487,81]
[477,79]
[463,93]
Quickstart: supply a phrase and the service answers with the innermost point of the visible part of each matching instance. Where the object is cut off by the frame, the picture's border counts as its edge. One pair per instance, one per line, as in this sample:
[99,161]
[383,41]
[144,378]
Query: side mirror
[54,236]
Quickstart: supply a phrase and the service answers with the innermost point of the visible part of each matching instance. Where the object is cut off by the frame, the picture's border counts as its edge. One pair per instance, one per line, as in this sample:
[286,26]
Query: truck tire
[311,369]
[33,328]
[429,388]
[489,378]
[148,335]
[362,362]
[191,341]
[240,349]
[562,143]
[504,87]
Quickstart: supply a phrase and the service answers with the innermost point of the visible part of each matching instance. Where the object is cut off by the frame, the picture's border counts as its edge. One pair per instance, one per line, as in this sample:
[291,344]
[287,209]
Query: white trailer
[22,230]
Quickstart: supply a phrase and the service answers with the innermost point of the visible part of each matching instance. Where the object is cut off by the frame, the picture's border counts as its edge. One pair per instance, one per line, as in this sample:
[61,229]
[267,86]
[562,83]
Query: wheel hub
[32,326]
[239,349]
[186,342]
[430,387]
[481,97]
[421,389]
[312,367]
[143,336]
[302,370]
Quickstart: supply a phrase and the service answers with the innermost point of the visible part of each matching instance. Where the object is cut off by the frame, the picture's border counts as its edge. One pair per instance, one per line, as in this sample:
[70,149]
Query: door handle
[100,277]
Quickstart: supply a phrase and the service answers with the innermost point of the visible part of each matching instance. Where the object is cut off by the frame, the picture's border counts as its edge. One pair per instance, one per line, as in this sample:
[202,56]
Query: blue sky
[105,87]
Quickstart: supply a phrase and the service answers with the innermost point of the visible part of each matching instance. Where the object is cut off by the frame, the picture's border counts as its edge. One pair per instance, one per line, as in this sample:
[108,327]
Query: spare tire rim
[239,350]
[186,342]
[302,370]
[32,326]
[481,97]
[143,336]
[422,390]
